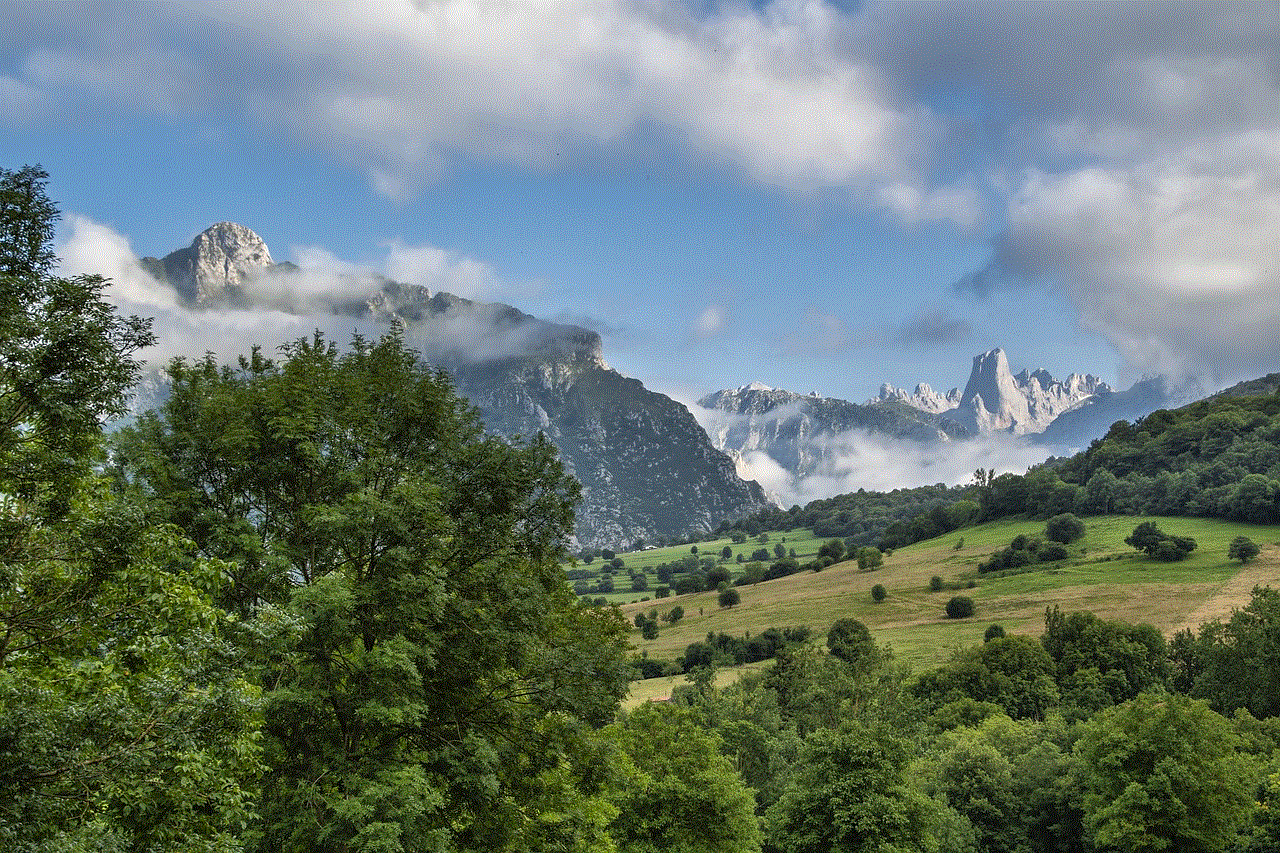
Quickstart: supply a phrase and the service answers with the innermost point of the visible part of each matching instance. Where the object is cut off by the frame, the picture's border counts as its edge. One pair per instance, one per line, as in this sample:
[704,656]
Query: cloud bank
[861,460]
[402,88]
[287,305]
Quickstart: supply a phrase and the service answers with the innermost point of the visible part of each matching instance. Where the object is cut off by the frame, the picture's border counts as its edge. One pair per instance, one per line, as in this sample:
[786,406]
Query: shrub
[1159,545]
[935,584]
[1064,528]
[960,607]
[1050,552]
[878,593]
[1242,548]
[993,632]
[870,558]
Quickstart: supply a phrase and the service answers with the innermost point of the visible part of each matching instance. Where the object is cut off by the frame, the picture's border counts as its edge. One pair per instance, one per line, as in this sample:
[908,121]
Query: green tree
[832,548]
[729,597]
[123,723]
[849,640]
[443,683]
[1236,664]
[960,607]
[848,793]
[675,791]
[1242,548]
[1162,772]
[67,359]
[1064,528]
[1010,779]
[878,593]
[1104,662]
[870,558]
[1014,672]
[1158,545]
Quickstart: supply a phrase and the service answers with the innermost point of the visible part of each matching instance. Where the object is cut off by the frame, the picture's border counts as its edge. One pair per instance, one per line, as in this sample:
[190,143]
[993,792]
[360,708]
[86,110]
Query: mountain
[217,265]
[995,400]
[647,469]
[923,398]
[1074,429]
[805,434]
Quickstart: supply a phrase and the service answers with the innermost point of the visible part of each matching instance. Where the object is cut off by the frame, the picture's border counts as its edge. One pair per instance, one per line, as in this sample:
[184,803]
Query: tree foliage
[1242,548]
[123,724]
[1162,772]
[677,792]
[442,675]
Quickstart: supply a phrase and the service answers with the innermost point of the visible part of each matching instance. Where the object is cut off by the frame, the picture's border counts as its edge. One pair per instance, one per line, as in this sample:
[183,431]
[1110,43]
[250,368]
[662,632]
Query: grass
[803,542]
[1108,578]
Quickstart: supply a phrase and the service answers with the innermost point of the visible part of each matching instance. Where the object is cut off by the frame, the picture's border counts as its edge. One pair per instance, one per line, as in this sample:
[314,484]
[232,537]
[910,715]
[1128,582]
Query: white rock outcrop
[218,264]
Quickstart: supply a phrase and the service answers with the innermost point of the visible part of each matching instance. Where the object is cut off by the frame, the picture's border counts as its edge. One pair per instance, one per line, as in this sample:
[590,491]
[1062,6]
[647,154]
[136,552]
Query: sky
[813,196]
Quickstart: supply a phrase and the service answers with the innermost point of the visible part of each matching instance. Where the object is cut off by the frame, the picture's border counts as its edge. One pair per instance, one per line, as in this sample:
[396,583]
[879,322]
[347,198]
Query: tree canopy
[441,673]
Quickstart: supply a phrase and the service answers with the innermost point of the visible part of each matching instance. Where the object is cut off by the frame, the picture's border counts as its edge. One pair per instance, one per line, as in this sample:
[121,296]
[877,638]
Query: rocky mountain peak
[923,398]
[214,269]
[997,400]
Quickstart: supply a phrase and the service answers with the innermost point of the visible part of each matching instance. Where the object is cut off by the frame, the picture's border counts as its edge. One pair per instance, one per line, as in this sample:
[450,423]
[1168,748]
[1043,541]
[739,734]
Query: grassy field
[803,542]
[1108,577]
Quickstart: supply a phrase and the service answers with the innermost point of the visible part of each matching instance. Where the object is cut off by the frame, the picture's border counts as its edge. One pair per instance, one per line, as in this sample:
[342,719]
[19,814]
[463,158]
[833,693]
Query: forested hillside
[1217,458]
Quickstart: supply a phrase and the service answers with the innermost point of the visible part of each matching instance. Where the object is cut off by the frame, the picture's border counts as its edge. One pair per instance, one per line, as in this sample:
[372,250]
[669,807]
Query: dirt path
[1264,570]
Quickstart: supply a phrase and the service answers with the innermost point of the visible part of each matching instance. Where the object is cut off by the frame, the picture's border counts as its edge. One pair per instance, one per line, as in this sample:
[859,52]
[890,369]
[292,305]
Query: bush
[935,584]
[993,632]
[1051,552]
[1159,545]
[1064,528]
[1242,548]
[878,593]
[960,607]
[729,597]
[717,576]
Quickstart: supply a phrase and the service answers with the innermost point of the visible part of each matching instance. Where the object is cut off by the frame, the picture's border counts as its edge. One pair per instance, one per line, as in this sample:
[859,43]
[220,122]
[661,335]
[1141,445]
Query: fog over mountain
[646,467]
[804,447]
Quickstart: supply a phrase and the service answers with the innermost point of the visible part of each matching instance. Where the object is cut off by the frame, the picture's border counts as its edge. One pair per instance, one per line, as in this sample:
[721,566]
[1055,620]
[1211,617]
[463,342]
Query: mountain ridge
[647,469]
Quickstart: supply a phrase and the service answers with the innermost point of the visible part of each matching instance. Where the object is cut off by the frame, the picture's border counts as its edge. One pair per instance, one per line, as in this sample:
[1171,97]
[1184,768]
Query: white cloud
[861,460]
[438,269]
[1175,260]
[401,87]
[833,464]
[711,321]
[91,248]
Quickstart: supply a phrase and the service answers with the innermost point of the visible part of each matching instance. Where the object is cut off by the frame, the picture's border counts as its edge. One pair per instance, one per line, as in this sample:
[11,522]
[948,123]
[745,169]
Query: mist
[860,459]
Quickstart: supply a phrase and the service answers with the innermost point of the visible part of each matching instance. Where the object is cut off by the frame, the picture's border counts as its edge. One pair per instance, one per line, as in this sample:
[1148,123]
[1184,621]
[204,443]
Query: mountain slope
[801,433]
[647,469]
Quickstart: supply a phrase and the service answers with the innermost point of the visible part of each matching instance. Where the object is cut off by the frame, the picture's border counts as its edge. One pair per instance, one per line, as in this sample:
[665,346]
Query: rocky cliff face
[923,398]
[646,467]
[799,431]
[217,265]
[995,400]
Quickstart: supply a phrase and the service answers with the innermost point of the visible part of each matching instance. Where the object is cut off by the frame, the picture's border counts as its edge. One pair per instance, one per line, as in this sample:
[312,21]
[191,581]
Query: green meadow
[1104,575]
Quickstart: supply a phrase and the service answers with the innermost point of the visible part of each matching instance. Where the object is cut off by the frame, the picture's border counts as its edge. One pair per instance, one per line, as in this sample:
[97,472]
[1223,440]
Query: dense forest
[309,606]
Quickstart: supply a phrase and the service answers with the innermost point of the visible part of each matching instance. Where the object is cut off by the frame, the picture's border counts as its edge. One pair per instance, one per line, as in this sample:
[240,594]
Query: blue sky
[816,197]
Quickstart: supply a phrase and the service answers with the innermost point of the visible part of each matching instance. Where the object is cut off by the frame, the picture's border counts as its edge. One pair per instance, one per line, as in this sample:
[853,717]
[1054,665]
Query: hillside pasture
[1106,577]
